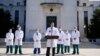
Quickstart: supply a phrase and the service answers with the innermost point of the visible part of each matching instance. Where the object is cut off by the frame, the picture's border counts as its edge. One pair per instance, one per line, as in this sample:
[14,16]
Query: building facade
[33,14]
[17,9]
[85,9]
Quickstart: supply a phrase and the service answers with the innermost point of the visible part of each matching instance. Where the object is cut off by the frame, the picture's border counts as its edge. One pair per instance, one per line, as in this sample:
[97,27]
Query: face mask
[10,31]
[60,30]
[37,31]
[75,30]
[19,28]
[67,32]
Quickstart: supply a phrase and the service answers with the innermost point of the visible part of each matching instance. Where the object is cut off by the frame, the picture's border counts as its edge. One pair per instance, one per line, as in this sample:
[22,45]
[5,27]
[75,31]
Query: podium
[51,37]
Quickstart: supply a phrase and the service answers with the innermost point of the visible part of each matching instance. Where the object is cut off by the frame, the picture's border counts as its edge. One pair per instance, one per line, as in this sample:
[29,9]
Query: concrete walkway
[29,52]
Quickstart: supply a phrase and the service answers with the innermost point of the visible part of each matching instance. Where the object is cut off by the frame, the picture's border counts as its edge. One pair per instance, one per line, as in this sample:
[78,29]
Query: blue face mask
[36,33]
[60,31]
[49,30]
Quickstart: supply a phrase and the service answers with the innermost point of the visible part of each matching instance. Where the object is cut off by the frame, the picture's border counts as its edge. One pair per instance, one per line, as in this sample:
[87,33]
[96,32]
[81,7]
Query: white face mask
[74,29]
[67,32]
[37,31]
[60,30]
[10,31]
[19,28]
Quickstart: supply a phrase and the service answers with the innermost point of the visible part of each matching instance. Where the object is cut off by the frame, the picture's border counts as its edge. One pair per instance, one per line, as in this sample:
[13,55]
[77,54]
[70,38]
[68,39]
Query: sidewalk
[29,52]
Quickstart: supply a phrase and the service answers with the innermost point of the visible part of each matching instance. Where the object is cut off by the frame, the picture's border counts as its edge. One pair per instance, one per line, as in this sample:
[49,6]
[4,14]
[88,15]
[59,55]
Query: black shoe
[74,52]
[15,53]
[11,52]
[62,53]
[38,53]
[6,52]
[21,53]
[77,53]
[34,53]
[56,53]
[68,52]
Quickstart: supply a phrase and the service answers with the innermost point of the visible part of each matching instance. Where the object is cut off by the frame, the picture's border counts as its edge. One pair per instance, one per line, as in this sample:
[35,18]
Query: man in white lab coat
[60,43]
[67,42]
[37,41]
[75,40]
[52,31]
[9,41]
[18,40]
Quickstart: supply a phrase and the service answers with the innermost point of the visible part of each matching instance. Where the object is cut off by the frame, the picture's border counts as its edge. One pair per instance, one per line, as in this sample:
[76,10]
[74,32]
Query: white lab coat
[19,37]
[37,40]
[67,39]
[53,32]
[61,37]
[9,38]
[75,37]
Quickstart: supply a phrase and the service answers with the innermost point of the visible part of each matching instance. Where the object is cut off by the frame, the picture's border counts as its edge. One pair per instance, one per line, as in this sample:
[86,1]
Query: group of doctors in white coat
[14,42]
[63,43]
[67,39]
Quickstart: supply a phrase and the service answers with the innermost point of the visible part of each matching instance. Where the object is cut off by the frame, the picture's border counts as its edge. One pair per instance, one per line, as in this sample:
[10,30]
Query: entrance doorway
[50,19]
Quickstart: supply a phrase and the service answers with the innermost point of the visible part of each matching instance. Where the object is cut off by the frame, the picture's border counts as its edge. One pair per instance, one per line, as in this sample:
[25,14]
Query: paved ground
[28,52]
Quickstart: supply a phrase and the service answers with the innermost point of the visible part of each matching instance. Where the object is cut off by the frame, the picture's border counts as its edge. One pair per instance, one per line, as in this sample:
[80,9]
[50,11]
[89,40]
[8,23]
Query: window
[77,3]
[99,5]
[10,4]
[24,2]
[86,21]
[78,20]
[85,13]
[18,3]
[1,4]
[84,4]
[7,11]
[24,19]
[91,5]
[16,17]
[25,15]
